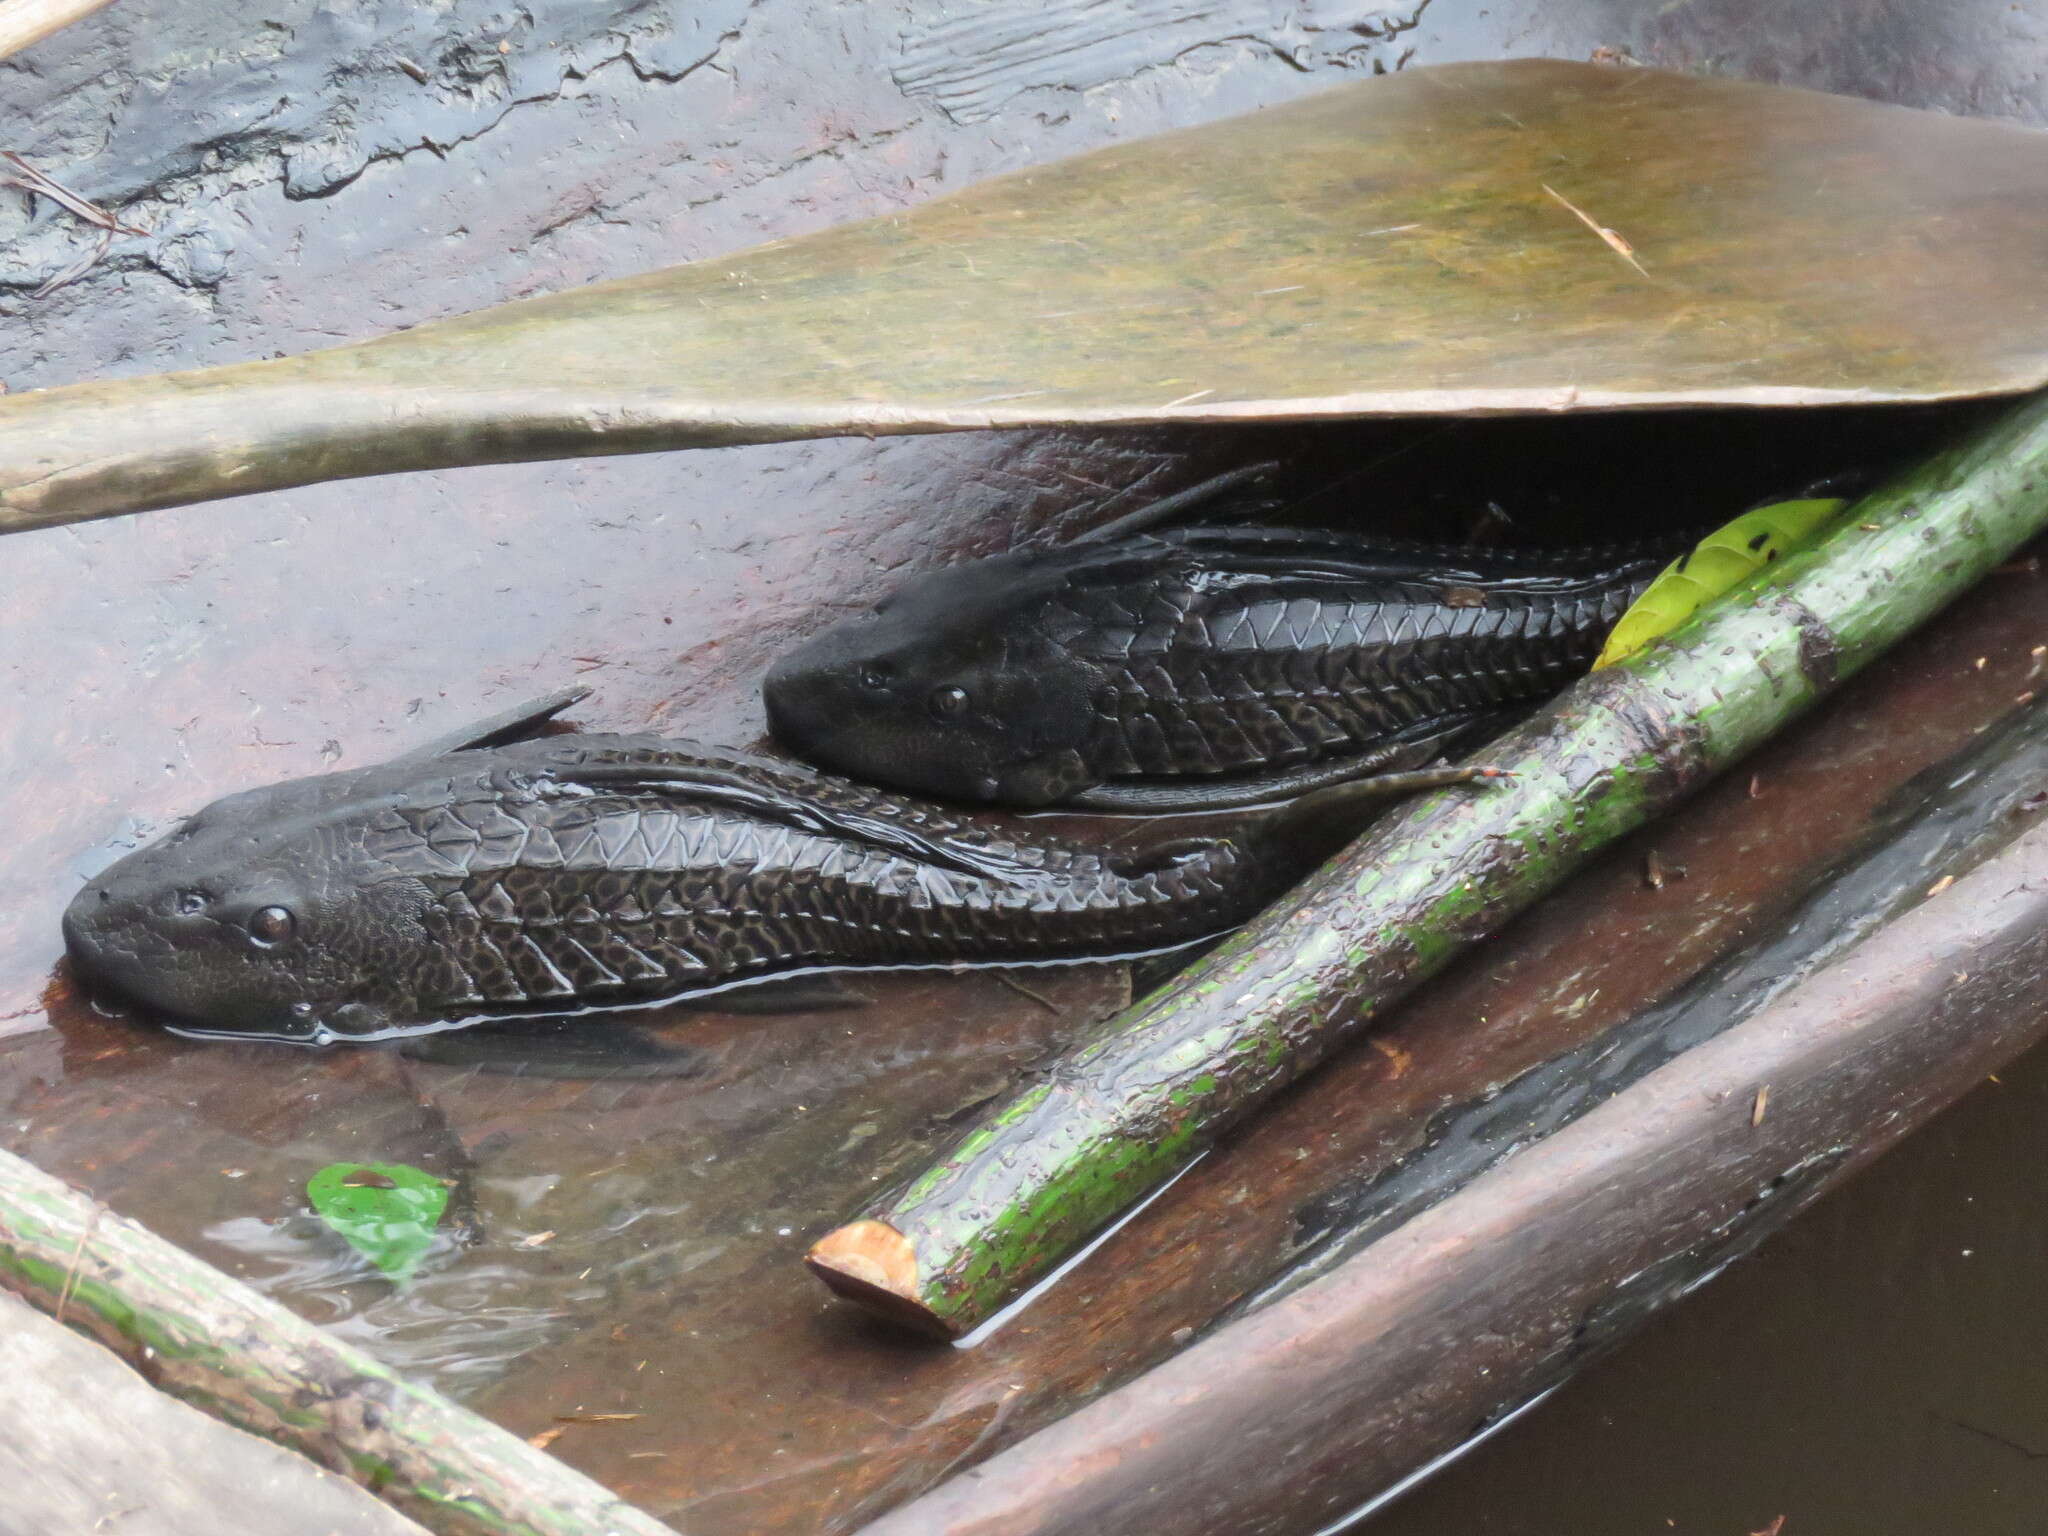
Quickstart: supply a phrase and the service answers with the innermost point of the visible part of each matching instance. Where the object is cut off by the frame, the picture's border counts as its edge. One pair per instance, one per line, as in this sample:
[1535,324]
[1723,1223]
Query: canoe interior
[153,665]
[641,1232]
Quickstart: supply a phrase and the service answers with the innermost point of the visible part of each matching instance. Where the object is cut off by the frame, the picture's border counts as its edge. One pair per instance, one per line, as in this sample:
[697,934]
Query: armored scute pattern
[1217,664]
[1201,654]
[585,871]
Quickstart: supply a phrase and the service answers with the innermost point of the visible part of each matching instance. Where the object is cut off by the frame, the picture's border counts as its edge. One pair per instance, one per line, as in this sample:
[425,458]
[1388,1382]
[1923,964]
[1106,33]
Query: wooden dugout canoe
[1283,1417]
[1182,1225]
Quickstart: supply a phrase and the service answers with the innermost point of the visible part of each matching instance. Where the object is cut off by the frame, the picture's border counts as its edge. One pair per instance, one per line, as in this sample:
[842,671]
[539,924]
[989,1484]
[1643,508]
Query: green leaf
[1724,559]
[386,1211]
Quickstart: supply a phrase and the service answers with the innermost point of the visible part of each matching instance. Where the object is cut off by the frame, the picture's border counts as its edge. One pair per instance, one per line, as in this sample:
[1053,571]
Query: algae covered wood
[86,1445]
[204,1337]
[1489,237]
[1113,1120]
[1312,1411]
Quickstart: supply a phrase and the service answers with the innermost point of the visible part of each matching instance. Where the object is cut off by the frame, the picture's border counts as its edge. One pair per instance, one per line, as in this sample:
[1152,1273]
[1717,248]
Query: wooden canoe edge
[1298,1413]
[873,327]
[205,1337]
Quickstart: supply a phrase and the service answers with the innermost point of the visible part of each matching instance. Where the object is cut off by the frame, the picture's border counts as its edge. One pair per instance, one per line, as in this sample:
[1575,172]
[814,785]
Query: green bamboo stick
[1060,1161]
[207,1338]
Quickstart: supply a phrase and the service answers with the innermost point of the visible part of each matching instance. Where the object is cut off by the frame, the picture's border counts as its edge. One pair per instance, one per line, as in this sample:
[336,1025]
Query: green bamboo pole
[1060,1161]
[207,1338]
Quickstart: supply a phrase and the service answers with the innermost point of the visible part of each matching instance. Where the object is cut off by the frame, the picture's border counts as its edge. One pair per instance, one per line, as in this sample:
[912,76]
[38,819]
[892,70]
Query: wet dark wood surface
[677,1206]
[147,670]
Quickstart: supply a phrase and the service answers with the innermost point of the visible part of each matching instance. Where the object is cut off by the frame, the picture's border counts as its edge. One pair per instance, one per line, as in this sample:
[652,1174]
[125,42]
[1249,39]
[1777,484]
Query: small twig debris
[2019,1447]
[1611,238]
[92,1223]
[21,174]
[17,172]
[1756,1110]
[1036,996]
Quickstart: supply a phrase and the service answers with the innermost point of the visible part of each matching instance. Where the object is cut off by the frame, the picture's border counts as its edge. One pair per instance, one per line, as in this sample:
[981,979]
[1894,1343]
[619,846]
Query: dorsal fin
[1168,507]
[510,725]
[680,775]
[1337,557]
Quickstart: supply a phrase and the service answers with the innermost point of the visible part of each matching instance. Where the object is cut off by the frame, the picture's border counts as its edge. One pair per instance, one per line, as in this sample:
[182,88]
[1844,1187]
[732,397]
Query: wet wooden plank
[87,1446]
[1529,235]
[200,1336]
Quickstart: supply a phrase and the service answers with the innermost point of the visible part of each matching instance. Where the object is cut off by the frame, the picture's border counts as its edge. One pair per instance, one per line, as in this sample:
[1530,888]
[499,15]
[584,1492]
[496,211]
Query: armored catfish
[594,871]
[1194,668]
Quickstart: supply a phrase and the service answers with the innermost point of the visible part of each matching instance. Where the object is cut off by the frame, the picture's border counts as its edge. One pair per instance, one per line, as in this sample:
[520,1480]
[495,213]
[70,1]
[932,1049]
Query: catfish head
[266,915]
[961,684]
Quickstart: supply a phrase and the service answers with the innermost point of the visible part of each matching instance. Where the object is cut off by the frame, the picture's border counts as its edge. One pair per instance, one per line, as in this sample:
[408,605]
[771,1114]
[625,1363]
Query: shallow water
[1875,1370]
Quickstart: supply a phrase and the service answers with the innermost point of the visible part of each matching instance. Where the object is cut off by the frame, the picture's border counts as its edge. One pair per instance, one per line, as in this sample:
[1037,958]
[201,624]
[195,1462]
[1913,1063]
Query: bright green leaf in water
[1725,558]
[386,1211]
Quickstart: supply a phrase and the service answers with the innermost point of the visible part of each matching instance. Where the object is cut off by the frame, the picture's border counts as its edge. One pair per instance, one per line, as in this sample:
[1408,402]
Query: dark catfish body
[594,871]
[1199,655]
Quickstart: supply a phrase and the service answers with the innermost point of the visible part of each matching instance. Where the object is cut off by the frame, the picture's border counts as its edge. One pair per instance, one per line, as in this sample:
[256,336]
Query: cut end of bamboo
[873,1265]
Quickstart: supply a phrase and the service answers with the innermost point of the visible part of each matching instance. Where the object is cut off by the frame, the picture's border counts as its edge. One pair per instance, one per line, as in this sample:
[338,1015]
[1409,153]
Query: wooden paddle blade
[1522,236]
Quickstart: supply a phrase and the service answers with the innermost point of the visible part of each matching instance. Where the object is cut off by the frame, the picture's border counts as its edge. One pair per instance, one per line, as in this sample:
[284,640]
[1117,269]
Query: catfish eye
[188,903]
[871,677]
[270,925]
[947,703]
